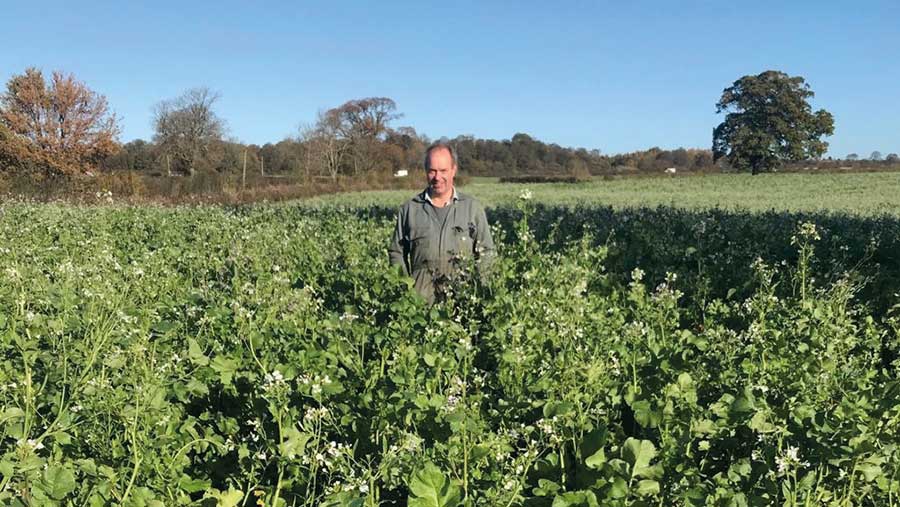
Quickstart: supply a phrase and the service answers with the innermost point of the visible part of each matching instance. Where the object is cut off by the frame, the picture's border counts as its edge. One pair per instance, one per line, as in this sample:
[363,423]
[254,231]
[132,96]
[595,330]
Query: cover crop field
[857,193]
[268,355]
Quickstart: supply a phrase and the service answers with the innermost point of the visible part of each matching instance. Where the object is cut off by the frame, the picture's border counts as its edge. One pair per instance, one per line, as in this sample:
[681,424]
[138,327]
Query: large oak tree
[768,121]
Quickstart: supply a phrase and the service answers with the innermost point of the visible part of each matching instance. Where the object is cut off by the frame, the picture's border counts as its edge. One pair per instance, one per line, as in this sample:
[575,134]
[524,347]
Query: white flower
[313,413]
[792,453]
[808,231]
[526,195]
[637,274]
[30,443]
[790,460]
[454,394]
[545,426]
[273,380]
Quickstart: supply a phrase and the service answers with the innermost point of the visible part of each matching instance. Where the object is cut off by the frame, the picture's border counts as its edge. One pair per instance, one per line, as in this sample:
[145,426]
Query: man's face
[440,173]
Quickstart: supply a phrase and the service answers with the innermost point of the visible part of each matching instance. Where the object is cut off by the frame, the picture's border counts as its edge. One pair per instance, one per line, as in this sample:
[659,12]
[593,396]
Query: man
[440,227]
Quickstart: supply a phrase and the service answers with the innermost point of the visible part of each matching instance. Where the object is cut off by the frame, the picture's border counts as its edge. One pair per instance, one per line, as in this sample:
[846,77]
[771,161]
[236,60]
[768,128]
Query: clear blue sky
[617,76]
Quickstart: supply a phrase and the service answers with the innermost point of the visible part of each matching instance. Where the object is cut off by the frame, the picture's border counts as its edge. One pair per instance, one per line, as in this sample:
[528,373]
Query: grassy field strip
[860,193]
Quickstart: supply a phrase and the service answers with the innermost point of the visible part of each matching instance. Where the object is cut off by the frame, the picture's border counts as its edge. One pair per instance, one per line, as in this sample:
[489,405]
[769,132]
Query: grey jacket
[429,248]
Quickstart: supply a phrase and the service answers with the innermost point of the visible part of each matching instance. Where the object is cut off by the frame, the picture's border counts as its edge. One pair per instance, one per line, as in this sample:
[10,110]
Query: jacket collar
[423,196]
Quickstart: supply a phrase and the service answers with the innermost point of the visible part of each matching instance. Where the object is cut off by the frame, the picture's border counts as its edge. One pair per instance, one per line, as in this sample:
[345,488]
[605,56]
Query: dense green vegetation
[268,355]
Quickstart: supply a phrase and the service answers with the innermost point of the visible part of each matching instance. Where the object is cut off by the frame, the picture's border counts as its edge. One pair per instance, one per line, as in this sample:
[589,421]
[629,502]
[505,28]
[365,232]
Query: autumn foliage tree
[60,126]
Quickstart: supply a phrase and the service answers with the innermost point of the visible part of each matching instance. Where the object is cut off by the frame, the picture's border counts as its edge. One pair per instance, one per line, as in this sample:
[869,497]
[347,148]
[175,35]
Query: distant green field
[862,193]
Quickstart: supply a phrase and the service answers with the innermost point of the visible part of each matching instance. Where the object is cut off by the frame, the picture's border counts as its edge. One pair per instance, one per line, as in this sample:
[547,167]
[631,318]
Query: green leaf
[646,487]
[557,408]
[164,326]
[807,481]
[294,442]
[638,454]
[645,415]
[343,499]
[107,471]
[703,427]
[58,482]
[592,446]
[195,353]
[479,451]
[197,387]
[745,403]
[760,423]
[546,488]
[619,488]
[576,499]
[142,496]
[428,487]
[7,468]
[87,466]
[739,469]
[229,498]
[870,471]
[115,362]
[225,367]
[333,387]
[193,485]
[11,413]
[596,460]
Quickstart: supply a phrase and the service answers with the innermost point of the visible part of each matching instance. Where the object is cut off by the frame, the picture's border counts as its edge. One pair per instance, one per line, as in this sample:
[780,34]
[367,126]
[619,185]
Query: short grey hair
[439,145]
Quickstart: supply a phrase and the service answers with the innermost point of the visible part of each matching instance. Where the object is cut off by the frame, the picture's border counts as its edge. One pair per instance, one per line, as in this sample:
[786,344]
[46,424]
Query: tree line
[317,155]
[60,127]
